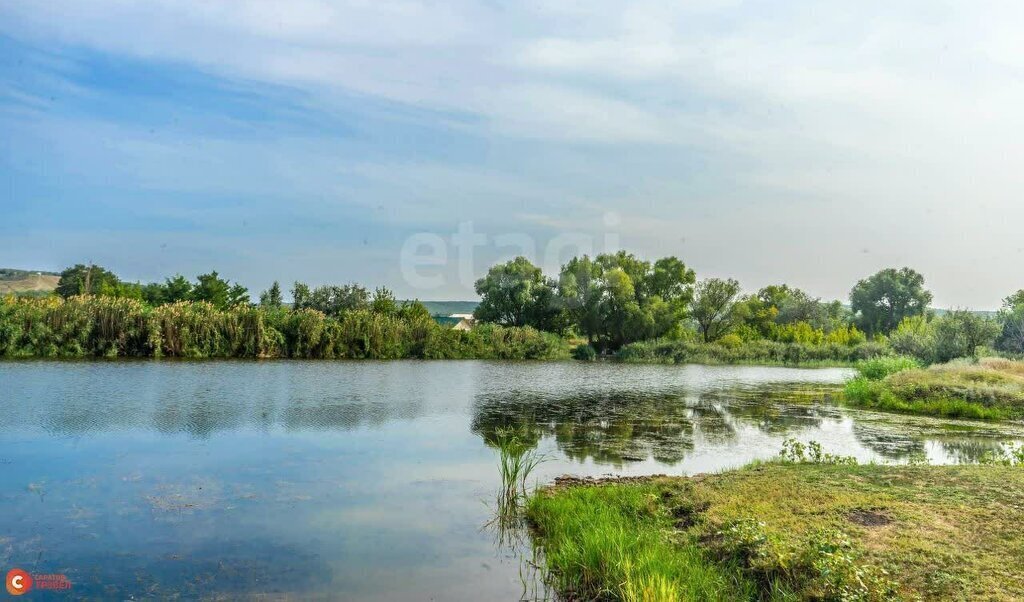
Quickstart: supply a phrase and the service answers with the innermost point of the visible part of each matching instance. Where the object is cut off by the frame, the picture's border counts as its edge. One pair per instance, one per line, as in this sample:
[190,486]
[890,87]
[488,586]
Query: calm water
[364,480]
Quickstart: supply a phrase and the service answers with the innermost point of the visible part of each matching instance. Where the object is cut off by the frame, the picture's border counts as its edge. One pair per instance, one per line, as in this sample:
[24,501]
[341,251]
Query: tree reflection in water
[614,428]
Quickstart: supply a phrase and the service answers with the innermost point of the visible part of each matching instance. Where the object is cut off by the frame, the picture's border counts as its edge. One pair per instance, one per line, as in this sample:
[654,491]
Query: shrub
[915,337]
[880,367]
[584,352]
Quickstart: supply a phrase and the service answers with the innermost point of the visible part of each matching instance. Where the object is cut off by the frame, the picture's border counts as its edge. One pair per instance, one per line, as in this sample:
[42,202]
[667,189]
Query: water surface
[370,480]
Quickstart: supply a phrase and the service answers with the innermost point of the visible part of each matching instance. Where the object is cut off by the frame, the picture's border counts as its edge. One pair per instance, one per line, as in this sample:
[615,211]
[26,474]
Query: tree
[89,279]
[333,301]
[581,288]
[1014,300]
[300,295]
[218,292]
[1011,337]
[272,298]
[915,336]
[713,307]
[672,281]
[384,302]
[959,334]
[617,298]
[177,289]
[517,293]
[880,302]
[238,295]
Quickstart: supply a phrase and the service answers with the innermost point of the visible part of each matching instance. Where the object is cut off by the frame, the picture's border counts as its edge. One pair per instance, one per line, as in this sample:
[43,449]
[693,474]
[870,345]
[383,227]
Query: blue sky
[805,142]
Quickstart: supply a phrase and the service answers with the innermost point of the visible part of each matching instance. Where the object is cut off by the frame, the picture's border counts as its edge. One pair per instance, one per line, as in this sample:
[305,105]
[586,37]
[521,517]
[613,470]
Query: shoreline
[783,530]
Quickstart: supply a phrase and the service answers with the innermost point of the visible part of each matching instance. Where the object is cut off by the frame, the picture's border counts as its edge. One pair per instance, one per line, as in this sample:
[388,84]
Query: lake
[371,480]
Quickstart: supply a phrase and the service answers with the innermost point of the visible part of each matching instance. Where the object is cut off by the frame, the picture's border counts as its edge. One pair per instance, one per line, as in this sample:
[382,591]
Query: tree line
[617,300]
[611,303]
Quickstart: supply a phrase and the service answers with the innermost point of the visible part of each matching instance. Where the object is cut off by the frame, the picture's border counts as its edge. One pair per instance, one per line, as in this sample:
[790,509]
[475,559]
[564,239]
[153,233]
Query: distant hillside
[25,281]
[447,308]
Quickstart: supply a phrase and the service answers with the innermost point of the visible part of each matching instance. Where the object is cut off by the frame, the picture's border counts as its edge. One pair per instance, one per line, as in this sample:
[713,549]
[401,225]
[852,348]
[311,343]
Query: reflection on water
[369,480]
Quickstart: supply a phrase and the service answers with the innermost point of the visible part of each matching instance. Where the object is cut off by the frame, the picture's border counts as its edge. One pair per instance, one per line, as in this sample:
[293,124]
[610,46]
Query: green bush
[584,352]
[880,367]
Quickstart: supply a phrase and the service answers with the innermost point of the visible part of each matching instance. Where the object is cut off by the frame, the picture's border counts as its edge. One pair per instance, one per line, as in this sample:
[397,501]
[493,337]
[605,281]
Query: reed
[97,326]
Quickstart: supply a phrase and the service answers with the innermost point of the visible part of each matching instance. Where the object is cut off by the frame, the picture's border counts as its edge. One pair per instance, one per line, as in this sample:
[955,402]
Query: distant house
[457,321]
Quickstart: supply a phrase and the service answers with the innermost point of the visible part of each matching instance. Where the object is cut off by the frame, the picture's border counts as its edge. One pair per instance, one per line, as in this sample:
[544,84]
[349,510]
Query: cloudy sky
[803,142]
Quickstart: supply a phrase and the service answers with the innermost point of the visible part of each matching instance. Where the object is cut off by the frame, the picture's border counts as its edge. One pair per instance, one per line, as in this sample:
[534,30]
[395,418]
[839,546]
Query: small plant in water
[810,453]
[1009,455]
[517,460]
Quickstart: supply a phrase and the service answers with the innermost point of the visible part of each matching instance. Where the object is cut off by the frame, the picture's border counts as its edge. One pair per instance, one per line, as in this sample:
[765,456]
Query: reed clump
[97,326]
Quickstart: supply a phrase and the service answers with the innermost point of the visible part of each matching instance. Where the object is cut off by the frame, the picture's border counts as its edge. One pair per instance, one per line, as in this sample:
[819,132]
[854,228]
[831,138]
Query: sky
[412,144]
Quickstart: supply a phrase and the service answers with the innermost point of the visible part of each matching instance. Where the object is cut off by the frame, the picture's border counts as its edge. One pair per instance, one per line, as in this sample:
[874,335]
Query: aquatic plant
[517,459]
[795,452]
[753,351]
[1008,455]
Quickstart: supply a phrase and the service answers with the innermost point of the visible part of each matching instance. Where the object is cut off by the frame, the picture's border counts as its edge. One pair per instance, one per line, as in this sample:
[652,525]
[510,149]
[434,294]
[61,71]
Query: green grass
[613,542]
[777,531]
[991,389]
[880,367]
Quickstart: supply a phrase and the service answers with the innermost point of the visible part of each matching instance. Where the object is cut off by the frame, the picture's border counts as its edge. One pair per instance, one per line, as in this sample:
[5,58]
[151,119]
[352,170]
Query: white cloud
[834,123]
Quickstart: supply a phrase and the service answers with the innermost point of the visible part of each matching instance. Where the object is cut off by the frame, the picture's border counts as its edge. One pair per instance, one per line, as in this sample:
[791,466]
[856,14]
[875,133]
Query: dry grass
[29,283]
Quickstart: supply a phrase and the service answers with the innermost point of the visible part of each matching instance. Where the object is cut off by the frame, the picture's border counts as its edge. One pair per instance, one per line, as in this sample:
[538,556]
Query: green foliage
[775,307]
[1011,336]
[882,301]
[616,299]
[726,351]
[272,297]
[915,337]
[1009,454]
[90,279]
[960,333]
[838,568]
[333,301]
[714,307]
[795,452]
[991,389]
[584,352]
[383,302]
[880,367]
[218,292]
[517,293]
[93,326]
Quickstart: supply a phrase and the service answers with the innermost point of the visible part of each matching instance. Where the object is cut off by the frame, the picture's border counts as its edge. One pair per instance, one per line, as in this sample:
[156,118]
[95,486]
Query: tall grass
[611,542]
[88,326]
[517,459]
[880,367]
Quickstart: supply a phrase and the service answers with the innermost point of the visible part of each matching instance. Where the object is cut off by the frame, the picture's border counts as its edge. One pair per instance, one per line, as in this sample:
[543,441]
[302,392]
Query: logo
[18,582]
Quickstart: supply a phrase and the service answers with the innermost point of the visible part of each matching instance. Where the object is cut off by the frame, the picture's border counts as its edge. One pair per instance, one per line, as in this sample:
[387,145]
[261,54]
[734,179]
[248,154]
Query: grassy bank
[990,389]
[750,352]
[789,532]
[92,326]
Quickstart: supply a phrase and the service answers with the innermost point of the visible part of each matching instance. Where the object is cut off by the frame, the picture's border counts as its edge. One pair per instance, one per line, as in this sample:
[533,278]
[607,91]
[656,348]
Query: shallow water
[367,480]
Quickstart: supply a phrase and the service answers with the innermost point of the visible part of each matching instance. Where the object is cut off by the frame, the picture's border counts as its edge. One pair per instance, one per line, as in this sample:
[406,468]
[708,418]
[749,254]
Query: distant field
[24,281]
